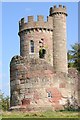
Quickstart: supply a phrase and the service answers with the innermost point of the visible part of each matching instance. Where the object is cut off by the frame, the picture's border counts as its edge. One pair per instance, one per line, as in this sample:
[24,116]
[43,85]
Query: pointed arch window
[32,46]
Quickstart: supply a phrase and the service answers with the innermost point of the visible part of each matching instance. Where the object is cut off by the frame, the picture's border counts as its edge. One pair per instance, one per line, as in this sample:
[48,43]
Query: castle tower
[34,85]
[59,38]
[36,36]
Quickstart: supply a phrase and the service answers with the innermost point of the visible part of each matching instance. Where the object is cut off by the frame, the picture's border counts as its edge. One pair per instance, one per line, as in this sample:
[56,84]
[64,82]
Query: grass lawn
[47,114]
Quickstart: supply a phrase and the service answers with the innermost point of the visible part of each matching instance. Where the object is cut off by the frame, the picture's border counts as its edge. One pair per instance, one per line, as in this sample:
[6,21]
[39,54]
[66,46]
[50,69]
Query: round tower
[24,45]
[59,38]
[36,38]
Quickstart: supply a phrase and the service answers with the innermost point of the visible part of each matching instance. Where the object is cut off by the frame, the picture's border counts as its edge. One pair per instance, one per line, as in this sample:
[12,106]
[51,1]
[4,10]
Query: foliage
[72,104]
[4,102]
[74,56]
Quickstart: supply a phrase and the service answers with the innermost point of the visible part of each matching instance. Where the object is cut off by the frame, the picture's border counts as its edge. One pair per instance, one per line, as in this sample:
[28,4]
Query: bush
[4,102]
[72,104]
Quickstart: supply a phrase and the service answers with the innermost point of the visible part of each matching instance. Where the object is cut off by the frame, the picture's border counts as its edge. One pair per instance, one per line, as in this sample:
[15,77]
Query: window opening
[32,46]
[42,50]
[49,95]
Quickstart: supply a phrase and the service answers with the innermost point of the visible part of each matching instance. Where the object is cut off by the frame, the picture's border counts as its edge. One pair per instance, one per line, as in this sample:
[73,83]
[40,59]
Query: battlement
[16,60]
[60,6]
[40,23]
[22,21]
[56,10]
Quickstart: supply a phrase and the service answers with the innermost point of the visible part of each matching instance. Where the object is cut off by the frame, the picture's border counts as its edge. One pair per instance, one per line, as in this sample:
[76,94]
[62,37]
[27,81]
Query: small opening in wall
[32,46]
[28,90]
[49,95]
[42,52]
[40,42]
[42,39]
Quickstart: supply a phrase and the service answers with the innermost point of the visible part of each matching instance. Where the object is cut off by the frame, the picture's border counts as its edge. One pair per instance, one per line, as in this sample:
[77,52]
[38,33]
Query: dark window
[42,53]
[41,39]
[49,95]
[32,46]
[42,50]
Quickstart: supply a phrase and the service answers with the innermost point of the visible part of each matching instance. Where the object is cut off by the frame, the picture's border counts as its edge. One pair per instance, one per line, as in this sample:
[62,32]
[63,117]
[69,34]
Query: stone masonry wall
[36,36]
[31,82]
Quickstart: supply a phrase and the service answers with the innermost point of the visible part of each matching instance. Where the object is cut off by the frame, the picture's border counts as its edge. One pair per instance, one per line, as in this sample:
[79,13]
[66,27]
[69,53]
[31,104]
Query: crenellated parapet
[58,10]
[39,24]
[17,60]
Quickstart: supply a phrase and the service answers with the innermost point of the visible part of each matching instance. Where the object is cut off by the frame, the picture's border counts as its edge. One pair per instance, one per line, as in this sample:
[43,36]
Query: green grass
[47,114]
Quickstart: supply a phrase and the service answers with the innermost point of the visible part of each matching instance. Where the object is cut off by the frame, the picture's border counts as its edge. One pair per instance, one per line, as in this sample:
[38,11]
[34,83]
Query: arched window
[32,46]
[42,53]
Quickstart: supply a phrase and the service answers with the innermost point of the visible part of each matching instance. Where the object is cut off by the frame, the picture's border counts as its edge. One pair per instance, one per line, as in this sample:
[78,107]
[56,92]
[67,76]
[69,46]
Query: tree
[4,102]
[74,56]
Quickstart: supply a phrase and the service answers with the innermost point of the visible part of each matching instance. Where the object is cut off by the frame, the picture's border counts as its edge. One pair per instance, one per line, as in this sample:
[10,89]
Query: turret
[59,38]
[36,38]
